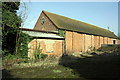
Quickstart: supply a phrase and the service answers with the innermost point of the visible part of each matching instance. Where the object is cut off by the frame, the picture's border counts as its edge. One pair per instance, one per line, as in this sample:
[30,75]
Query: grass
[57,71]
[96,67]
[103,66]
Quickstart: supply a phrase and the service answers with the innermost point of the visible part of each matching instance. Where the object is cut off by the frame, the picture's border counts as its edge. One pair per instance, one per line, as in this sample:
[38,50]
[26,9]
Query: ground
[95,67]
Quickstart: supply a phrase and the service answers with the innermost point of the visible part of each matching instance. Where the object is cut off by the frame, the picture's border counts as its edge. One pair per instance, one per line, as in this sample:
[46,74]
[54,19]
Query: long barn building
[78,36]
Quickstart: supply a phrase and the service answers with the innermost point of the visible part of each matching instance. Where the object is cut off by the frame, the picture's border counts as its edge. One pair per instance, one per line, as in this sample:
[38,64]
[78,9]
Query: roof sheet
[42,34]
[70,24]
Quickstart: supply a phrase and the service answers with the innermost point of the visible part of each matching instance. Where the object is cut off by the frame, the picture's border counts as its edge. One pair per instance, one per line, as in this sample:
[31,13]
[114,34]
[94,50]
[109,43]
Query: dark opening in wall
[42,21]
[114,41]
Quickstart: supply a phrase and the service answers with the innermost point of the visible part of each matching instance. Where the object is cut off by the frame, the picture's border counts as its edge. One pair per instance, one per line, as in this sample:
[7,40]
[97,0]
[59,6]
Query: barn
[48,42]
[70,36]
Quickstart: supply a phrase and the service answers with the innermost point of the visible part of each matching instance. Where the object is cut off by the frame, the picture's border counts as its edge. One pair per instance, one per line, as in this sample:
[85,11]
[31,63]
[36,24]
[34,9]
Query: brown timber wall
[87,42]
[48,46]
[82,42]
[118,41]
[68,40]
[105,40]
[77,42]
[47,26]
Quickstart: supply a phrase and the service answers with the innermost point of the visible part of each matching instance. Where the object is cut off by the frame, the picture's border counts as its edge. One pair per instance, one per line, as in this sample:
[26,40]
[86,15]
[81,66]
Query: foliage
[37,53]
[108,48]
[53,58]
[57,71]
[0,29]
[22,49]
[45,71]
[15,42]
[88,68]
[10,25]
[9,57]
[61,33]
[43,56]
[91,49]
[23,45]
[25,60]
[11,6]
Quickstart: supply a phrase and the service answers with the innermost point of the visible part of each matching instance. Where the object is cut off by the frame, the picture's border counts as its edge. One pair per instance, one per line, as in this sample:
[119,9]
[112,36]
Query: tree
[10,26]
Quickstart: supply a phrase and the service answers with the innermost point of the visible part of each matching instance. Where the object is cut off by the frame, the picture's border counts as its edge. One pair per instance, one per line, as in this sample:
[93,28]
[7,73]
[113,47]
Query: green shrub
[52,58]
[24,40]
[61,33]
[9,56]
[108,48]
[4,52]
[37,53]
[26,60]
[43,56]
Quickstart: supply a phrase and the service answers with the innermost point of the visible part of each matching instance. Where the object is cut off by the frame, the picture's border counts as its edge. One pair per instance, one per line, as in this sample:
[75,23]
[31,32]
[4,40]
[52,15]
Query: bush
[38,55]
[53,58]
[25,60]
[24,40]
[9,56]
[43,56]
[37,52]
[61,33]
[110,48]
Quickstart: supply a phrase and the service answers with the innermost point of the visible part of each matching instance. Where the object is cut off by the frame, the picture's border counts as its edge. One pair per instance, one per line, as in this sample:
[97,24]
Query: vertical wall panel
[76,42]
[92,41]
[83,42]
[48,46]
[57,46]
[68,39]
[101,40]
[117,41]
[105,40]
[110,41]
[87,42]
[80,43]
[96,42]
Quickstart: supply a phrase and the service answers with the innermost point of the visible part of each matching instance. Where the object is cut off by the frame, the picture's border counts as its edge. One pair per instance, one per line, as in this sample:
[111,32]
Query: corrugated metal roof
[42,34]
[70,24]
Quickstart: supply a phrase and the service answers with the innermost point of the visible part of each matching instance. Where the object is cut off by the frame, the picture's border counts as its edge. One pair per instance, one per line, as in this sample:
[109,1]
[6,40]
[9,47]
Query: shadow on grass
[6,75]
[96,67]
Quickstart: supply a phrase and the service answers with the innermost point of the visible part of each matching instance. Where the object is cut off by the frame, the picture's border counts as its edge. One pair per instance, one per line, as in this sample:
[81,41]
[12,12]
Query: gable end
[45,24]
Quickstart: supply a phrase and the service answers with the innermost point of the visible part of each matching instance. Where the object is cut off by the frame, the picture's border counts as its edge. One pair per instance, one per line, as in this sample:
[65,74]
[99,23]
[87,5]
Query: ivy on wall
[61,33]
[23,44]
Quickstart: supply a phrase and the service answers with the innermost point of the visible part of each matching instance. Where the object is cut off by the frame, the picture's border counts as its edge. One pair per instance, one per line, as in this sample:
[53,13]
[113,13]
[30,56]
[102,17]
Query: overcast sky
[101,14]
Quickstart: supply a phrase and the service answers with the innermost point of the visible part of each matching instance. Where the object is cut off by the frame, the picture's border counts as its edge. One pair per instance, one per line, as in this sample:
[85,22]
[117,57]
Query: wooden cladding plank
[96,42]
[77,42]
[68,39]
